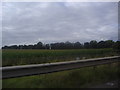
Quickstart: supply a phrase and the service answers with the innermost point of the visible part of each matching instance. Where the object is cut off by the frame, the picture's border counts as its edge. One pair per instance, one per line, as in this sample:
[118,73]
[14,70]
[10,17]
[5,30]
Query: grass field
[77,78]
[22,57]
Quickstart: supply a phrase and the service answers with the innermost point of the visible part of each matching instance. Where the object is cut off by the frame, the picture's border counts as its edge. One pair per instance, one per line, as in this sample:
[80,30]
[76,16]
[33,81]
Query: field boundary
[37,69]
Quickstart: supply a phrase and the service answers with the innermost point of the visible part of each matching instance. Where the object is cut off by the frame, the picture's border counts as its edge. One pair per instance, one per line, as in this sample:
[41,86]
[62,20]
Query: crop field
[77,78]
[23,57]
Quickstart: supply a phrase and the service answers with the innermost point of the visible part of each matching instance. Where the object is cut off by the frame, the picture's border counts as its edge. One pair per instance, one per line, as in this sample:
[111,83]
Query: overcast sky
[28,23]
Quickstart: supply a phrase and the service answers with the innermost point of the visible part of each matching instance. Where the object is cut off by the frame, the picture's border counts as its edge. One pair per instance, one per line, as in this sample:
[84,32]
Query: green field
[77,78]
[22,57]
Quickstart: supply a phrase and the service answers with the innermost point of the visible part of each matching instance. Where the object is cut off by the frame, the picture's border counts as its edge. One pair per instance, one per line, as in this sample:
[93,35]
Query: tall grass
[21,57]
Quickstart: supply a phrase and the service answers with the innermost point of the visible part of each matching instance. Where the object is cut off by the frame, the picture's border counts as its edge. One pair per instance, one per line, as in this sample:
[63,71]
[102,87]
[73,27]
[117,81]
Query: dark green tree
[93,44]
[87,45]
[77,45]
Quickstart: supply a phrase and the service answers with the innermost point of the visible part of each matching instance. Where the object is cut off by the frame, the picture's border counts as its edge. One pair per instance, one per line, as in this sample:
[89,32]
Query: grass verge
[77,78]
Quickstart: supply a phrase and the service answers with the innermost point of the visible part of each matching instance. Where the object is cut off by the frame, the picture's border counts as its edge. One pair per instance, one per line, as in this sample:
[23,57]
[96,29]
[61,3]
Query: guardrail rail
[36,69]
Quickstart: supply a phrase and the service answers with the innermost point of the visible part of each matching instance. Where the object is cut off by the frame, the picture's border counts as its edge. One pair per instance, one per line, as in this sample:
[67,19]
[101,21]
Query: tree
[109,43]
[30,47]
[87,45]
[93,44]
[68,45]
[101,44]
[5,47]
[39,45]
[77,45]
[47,46]
[116,46]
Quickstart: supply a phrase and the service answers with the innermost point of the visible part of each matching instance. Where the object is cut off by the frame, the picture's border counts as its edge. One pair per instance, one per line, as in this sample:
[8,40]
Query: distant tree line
[68,45]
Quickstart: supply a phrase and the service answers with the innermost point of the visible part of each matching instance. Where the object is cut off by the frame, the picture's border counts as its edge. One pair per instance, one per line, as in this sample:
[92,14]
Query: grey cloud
[25,23]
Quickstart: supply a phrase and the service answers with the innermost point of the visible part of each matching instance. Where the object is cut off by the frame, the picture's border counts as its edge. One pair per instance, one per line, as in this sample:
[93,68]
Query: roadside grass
[23,57]
[76,78]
